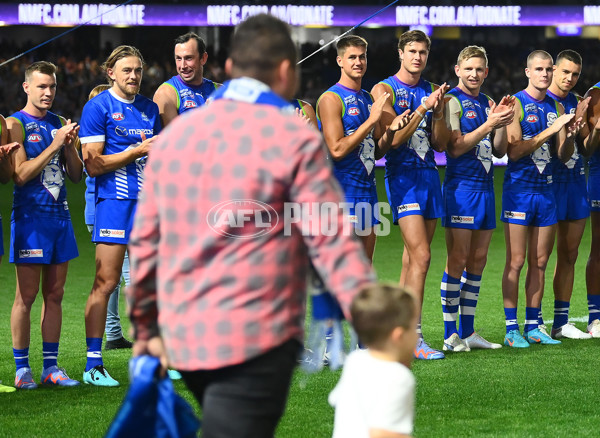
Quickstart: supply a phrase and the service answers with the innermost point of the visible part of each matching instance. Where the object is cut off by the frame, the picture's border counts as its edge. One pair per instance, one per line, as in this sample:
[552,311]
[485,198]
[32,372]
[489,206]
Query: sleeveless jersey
[191,96]
[44,195]
[594,163]
[416,152]
[533,173]
[355,171]
[573,170]
[473,170]
[119,124]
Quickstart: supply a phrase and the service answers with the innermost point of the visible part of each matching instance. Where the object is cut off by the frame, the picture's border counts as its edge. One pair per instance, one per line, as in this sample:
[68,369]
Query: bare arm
[330,110]
[519,148]
[26,170]
[385,142]
[440,135]
[591,131]
[166,99]
[98,164]
[7,151]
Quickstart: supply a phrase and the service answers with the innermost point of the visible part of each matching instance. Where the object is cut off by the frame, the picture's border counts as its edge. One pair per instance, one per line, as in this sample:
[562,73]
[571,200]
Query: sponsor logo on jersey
[32,126]
[470,114]
[354,111]
[462,220]
[121,131]
[596,203]
[117,117]
[139,131]
[532,118]
[349,99]
[189,104]
[118,234]
[30,253]
[185,92]
[409,207]
[514,215]
[467,104]
[34,138]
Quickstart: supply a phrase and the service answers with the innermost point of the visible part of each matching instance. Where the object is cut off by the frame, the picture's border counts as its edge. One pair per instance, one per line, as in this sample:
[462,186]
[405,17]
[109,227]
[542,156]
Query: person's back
[376,393]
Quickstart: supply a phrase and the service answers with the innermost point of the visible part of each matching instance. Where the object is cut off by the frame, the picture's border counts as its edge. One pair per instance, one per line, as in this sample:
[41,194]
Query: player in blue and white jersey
[306,111]
[411,176]
[42,237]
[478,132]
[570,192]
[118,128]
[188,89]
[593,265]
[528,204]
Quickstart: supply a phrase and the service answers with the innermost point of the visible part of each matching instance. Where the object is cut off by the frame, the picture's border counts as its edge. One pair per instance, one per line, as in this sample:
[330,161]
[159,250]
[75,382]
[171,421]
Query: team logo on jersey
[470,220]
[145,117]
[532,118]
[350,99]
[514,215]
[190,104]
[117,117]
[487,111]
[34,138]
[354,111]
[531,108]
[470,114]
[53,132]
[121,131]
[32,126]
[551,118]
[118,234]
[30,253]
[409,207]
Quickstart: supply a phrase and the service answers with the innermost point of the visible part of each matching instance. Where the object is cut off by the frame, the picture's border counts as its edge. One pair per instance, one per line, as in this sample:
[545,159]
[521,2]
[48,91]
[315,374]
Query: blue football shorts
[471,210]
[415,192]
[363,212]
[47,241]
[594,192]
[531,209]
[571,200]
[113,220]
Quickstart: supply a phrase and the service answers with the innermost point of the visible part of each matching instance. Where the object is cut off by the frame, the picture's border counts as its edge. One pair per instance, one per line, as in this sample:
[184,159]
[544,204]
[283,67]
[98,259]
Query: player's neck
[557,91]
[536,93]
[348,82]
[34,111]
[465,90]
[408,77]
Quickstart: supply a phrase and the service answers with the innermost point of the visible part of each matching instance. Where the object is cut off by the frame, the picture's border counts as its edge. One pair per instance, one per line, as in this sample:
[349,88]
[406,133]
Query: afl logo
[354,111]
[403,103]
[121,131]
[532,118]
[117,117]
[189,104]
[470,114]
[34,138]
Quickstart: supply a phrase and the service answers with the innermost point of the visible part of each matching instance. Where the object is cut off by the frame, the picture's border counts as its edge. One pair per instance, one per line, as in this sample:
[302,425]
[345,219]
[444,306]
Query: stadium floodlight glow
[568,30]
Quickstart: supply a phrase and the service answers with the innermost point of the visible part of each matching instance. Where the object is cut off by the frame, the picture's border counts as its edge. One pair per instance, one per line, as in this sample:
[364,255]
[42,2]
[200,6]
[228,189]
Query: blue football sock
[21,357]
[94,353]
[450,292]
[531,318]
[50,353]
[469,295]
[510,314]
[561,314]
[540,317]
[594,307]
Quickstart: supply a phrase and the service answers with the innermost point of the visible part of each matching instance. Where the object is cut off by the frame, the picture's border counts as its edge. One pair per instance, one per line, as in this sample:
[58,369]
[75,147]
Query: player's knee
[105,286]
[516,262]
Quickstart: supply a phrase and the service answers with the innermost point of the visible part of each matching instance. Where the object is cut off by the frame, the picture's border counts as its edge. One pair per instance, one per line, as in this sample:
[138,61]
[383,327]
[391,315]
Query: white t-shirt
[373,394]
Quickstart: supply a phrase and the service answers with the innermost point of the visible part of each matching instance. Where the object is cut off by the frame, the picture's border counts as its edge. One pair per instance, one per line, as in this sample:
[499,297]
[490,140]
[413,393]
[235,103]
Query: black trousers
[245,400]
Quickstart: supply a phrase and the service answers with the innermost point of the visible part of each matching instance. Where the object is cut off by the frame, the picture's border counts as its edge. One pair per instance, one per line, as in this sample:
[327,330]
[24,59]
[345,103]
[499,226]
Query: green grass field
[544,391]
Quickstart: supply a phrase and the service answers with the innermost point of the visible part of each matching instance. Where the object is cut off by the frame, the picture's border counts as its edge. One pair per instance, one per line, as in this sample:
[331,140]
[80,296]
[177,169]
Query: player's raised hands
[401,121]
[562,121]
[6,150]
[67,134]
[502,114]
[581,110]
[574,126]
[377,107]
[435,100]
[144,147]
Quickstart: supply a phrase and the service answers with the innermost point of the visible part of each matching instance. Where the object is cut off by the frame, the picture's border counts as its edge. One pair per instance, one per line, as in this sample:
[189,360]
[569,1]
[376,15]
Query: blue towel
[151,407]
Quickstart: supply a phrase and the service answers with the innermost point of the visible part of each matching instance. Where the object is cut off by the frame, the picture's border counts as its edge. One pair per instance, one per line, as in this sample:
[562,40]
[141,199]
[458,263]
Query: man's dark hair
[569,55]
[182,39]
[259,45]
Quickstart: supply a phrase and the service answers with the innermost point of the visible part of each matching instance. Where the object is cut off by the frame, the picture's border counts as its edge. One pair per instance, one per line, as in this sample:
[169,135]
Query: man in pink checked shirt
[219,253]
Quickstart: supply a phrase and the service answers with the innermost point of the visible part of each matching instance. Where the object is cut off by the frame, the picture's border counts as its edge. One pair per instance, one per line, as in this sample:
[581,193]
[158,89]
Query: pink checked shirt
[218,281]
